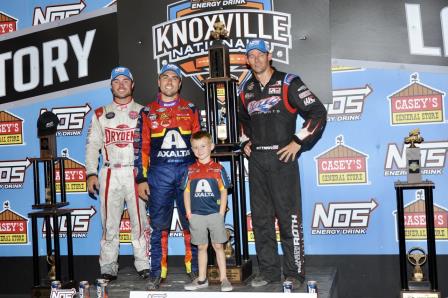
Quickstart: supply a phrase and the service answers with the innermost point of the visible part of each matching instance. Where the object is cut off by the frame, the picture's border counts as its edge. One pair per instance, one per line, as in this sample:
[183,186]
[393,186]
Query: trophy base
[423,285]
[420,294]
[44,289]
[235,274]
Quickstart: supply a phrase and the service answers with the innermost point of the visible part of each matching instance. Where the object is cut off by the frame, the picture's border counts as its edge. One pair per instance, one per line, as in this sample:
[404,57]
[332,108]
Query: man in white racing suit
[112,133]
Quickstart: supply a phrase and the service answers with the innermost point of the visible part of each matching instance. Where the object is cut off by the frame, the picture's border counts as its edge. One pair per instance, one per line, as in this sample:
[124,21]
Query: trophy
[218,53]
[417,257]
[413,156]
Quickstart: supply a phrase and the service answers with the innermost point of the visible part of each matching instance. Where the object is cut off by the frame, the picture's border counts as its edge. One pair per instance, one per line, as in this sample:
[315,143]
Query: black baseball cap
[47,124]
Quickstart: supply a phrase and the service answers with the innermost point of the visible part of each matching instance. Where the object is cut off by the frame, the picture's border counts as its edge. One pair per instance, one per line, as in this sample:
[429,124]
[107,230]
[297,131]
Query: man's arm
[142,147]
[93,146]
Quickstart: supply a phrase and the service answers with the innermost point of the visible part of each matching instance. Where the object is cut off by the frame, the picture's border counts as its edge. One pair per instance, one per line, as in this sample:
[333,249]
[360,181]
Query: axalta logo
[57,12]
[432,158]
[71,119]
[7,23]
[11,129]
[416,103]
[342,218]
[341,165]
[184,39]
[13,226]
[12,173]
[348,104]
[415,219]
[80,223]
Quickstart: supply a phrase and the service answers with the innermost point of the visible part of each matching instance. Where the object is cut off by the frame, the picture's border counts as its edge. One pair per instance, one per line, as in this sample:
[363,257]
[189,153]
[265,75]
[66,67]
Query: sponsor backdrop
[349,205]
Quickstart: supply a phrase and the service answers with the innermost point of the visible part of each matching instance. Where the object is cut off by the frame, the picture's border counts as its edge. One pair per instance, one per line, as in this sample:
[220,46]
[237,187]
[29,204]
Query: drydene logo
[342,165]
[80,222]
[71,119]
[415,219]
[11,129]
[348,104]
[7,23]
[184,38]
[342,218]
[13,226]
[416,103]
[56,12]
[12,173]
[432,158]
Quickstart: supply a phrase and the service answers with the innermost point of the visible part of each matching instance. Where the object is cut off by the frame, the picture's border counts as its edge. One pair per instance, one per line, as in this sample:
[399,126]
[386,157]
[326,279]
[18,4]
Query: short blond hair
[201,135]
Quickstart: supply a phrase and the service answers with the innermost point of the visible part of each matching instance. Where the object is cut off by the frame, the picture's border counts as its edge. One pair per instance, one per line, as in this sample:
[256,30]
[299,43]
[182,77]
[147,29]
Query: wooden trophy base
[420,294]
[235,274]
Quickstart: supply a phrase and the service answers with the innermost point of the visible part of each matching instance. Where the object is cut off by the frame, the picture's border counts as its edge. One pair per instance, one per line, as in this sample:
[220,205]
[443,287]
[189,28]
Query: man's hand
[247,149]
[93,185]
[143,190]
[289,151]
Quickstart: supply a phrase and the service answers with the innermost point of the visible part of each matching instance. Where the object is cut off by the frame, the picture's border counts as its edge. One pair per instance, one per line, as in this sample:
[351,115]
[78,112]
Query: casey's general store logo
[74,174]
[416,103]
[341,165]
[7,23]
[415,219]
[184,38]
[13,226]
[11,129]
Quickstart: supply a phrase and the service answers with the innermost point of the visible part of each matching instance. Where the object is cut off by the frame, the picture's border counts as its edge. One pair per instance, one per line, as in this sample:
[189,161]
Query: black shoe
[108,276]
[154,283]
[143,274]
[192,275]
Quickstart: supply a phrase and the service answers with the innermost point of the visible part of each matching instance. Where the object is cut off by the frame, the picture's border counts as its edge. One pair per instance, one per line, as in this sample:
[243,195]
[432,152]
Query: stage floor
[128,281]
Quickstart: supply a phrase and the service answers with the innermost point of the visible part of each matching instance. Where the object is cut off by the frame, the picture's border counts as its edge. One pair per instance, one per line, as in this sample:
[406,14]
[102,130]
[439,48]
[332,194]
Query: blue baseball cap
[257,44]
[171,67]
[121,71]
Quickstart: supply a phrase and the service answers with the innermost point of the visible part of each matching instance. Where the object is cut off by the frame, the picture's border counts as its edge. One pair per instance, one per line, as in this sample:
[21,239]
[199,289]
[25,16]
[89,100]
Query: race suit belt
[265,147]
[118,165]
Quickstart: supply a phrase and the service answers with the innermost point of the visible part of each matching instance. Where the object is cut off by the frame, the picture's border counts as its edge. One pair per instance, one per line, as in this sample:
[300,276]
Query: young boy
[205,198]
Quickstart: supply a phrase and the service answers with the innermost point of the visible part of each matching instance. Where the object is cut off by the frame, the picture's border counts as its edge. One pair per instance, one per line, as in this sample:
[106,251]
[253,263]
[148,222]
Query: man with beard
[112,133]
[268,109]
[163,154]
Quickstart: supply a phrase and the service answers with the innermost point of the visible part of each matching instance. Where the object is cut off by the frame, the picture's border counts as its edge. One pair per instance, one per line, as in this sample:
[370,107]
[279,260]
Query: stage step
[326,278]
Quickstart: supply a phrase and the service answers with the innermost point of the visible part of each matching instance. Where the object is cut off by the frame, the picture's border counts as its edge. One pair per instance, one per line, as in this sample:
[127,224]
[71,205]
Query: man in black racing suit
[268,108]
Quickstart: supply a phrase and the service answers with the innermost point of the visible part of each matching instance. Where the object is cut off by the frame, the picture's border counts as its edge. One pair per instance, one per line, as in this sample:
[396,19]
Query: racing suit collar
[122,106]
[165,103]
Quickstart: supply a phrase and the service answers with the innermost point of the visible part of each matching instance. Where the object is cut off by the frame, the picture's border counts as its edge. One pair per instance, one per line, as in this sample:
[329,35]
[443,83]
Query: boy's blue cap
[257,44]
[171,67]
[121,71]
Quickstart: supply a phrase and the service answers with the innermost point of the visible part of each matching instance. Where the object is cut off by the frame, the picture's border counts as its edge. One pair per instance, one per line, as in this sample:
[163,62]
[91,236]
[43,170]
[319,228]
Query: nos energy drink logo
[71,119]
[416,103]
[184,38]
[345,218]
[348,104]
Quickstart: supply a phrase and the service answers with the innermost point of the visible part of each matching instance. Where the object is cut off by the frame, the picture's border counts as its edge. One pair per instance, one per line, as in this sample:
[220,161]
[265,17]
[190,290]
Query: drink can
[287,286]
[101,289]
[84,289]
[312,286]
[55,284]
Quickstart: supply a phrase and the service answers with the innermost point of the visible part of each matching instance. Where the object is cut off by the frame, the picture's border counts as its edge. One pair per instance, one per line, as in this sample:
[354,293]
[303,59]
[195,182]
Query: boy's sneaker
[196,284]
[259,281]
[154,283]
[226,286]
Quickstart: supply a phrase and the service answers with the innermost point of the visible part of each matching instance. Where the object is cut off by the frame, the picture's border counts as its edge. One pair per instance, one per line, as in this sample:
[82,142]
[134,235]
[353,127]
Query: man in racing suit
[268,108]
[163,154]
[112,132]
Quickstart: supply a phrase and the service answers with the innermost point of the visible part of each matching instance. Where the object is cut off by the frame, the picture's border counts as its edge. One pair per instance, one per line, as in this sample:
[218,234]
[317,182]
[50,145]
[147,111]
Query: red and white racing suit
[112,132]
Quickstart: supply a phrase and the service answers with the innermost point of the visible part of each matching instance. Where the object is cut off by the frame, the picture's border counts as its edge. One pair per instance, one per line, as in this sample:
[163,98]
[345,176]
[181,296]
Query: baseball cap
[121,71]
[257,44]
[47,124]
[171,67]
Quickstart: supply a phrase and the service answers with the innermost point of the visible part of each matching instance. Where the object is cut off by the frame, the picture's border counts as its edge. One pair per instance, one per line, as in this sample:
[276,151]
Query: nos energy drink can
[311,286]
[287,286]
[84,289]
[55,284]
[101,289]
